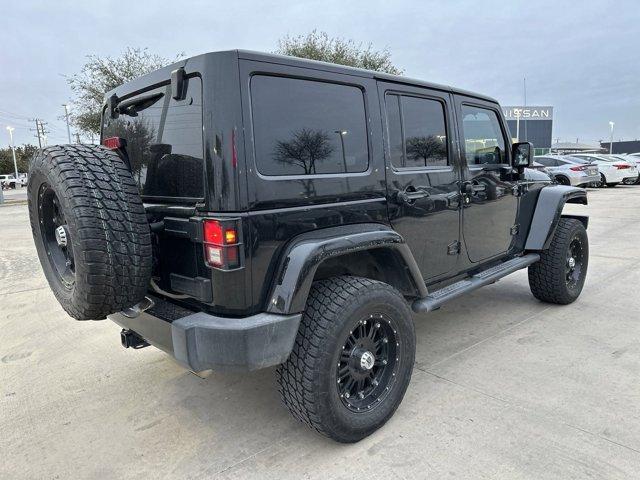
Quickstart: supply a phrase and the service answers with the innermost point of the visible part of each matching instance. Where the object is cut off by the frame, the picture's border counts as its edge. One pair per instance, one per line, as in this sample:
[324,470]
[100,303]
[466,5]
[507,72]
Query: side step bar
[436,299]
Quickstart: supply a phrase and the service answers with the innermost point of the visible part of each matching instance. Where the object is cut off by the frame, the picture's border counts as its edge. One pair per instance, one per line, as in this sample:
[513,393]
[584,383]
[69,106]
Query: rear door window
[417,132]
[304,127]
[164,141]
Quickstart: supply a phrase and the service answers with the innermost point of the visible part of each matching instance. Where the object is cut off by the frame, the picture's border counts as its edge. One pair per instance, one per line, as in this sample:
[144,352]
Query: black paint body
[416,229]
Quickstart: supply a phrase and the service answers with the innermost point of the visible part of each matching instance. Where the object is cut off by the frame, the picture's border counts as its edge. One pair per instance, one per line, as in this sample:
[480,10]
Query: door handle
[471,188]
[410,196]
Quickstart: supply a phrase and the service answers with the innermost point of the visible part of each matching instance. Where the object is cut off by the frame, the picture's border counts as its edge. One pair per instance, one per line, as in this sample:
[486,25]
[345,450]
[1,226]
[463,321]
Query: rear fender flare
[548,212]
[305,253]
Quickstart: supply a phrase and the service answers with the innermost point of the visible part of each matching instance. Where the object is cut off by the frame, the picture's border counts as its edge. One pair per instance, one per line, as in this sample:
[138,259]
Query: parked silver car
[570,171]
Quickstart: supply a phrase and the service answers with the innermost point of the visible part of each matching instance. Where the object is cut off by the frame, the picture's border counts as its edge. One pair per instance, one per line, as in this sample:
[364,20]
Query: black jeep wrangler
[247,210]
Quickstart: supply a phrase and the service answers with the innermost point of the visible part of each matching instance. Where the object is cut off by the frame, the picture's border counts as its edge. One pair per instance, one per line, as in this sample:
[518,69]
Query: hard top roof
[361,72]
[164,73]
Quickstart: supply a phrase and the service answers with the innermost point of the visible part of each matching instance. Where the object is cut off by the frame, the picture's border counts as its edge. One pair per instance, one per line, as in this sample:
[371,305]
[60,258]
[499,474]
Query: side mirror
[522,154]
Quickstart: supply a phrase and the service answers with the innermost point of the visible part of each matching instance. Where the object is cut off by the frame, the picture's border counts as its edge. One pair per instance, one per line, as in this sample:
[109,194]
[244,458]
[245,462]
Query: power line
[14,115]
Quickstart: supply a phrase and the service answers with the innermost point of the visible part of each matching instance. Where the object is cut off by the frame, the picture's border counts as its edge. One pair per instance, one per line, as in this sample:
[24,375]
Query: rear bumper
[613,175]
[200,341]
[580,180]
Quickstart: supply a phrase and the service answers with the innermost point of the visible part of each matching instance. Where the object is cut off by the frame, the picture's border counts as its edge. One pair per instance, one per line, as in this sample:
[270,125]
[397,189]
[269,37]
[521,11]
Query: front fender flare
[548,211]
[304,254]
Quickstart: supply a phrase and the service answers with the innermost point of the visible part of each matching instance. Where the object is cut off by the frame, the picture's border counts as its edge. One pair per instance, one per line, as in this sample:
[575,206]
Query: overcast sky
[581,57]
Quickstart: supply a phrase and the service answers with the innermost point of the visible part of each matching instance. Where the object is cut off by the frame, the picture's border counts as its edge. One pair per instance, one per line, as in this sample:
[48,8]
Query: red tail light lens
[113,143]
[221,245]
[579,168]
[623,166]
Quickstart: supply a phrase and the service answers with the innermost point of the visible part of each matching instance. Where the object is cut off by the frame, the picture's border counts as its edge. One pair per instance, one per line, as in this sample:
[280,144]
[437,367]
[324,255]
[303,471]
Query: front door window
[483,139]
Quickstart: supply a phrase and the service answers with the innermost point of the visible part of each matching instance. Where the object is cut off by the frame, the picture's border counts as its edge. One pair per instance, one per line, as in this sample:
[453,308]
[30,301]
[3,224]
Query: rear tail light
[221,243]
[113,143]
[579,168]
[622,166]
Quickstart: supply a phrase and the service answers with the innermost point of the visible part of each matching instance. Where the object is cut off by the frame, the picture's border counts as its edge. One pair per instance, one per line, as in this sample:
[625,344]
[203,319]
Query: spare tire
[90,229]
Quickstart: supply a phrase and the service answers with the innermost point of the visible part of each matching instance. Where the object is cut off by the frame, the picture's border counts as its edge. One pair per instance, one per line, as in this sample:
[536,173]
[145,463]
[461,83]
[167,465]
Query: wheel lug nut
[347,395]
[384,362]
[384,340]
[377,325]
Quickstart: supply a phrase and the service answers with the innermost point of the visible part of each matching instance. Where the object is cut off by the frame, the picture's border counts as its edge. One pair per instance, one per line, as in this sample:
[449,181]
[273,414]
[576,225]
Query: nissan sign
[528,113]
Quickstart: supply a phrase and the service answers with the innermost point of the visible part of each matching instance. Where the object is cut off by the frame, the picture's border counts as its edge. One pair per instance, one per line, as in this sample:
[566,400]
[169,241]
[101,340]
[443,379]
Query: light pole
[66,116]
[342,133]
[611,124]
[13,151]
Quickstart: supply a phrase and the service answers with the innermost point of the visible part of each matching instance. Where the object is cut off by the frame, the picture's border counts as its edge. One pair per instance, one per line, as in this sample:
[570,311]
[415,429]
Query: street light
[342,133]
[611,124]
[13,151]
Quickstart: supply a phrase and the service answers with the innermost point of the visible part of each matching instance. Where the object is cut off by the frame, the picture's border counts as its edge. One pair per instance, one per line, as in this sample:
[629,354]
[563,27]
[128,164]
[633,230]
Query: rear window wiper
[132,106]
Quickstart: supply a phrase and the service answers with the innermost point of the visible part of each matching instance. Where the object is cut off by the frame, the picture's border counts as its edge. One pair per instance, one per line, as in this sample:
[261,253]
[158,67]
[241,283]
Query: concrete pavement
[503,386]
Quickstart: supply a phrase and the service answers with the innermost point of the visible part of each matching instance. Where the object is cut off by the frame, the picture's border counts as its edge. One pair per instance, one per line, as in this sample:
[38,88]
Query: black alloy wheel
[56,236]
[575,262]
[369,363]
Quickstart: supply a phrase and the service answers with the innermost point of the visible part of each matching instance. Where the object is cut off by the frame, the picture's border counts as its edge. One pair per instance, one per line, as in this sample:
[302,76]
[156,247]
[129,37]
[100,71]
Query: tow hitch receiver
[131,339]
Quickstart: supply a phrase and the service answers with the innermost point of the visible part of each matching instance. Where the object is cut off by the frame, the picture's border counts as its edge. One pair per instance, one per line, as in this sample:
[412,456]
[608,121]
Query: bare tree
[426,148]
[305,149]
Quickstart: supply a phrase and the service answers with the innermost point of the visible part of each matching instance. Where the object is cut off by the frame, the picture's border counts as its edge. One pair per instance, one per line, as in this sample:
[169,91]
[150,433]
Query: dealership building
[531,124]
[629,146]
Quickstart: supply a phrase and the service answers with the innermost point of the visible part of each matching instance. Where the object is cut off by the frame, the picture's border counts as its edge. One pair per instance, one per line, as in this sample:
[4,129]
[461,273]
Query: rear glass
[164,141]
[304,127]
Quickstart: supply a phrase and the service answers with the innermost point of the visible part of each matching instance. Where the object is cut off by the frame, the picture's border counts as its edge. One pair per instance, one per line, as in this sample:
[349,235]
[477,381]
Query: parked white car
[612,170]
[9,181]
[633,159]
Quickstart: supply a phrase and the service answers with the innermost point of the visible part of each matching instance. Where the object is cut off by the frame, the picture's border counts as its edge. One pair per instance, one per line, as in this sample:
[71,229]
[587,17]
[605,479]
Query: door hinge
[515,229]
[453,248]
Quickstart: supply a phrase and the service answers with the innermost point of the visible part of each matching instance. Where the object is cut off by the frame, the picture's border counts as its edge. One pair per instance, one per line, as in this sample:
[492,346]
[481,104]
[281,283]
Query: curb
[12,203]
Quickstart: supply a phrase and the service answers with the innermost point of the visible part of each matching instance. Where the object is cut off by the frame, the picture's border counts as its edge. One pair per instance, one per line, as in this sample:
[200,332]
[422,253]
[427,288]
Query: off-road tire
[548,277]
[109,234]
[307,380]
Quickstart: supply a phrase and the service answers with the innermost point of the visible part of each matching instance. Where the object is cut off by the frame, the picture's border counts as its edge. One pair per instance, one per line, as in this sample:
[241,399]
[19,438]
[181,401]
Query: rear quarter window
[164,142]
[305,127]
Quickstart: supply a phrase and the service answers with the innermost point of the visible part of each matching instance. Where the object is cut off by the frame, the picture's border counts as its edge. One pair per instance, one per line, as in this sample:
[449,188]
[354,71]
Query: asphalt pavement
[503,386]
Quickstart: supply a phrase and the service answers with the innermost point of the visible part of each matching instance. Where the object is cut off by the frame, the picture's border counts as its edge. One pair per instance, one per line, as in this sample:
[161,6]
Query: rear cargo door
[164,145]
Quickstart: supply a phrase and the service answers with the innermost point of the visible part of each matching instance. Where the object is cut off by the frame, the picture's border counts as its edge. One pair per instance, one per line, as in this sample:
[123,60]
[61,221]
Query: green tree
[101,74]
[319,46]
[24,154]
